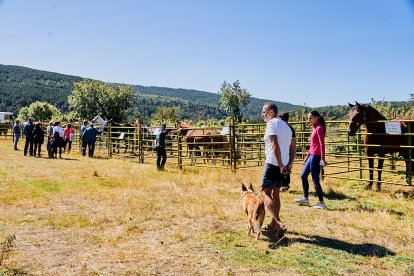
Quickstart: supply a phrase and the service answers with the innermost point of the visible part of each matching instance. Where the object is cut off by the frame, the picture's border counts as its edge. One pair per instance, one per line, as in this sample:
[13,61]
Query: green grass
[117,216]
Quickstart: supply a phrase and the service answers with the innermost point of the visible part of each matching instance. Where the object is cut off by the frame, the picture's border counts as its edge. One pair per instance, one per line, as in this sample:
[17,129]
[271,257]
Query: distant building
[6,117]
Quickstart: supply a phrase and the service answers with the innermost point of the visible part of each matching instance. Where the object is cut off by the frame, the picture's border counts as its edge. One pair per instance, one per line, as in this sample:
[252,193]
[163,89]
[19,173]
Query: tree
[232,98]
[40,111]
[165,114]
[90,98]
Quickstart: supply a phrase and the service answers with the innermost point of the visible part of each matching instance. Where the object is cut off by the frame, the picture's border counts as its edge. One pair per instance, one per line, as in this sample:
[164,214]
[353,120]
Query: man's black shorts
[271,177]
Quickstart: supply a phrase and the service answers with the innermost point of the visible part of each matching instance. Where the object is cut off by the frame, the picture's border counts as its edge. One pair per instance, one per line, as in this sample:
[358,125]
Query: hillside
[204,97]
[20,86]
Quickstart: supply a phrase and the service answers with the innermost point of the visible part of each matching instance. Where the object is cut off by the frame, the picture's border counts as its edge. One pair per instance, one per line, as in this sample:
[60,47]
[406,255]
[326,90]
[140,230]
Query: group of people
[280,149]
[58,138]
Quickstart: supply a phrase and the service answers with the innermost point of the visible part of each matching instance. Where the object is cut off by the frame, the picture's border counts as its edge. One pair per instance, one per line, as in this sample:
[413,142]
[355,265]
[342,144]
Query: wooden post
[140,147]
[348,153]
[109,139]
[179,150]
[410,167]
[359,153]
[233,154]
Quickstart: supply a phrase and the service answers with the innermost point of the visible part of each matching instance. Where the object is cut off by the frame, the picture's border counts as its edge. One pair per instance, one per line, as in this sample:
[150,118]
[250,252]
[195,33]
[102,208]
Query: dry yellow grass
[112,216]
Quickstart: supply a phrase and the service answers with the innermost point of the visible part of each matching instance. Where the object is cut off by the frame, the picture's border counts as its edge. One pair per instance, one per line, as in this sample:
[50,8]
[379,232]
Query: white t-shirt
[278,127]
[58,129]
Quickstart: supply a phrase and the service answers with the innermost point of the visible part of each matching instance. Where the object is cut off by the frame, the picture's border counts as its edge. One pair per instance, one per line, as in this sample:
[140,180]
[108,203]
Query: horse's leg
[408,175]
[371,173]
[191,152]
[380,166]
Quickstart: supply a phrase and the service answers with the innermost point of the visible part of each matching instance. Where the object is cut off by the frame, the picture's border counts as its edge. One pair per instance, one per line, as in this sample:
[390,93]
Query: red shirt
[317,141]
[67,132]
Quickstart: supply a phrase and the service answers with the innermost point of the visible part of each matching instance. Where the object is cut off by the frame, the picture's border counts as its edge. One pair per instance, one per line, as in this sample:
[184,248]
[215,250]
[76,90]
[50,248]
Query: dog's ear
[244,187]
[251,187]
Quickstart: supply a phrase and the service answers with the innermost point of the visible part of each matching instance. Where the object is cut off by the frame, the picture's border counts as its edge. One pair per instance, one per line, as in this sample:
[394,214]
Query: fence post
[410,166]
[179,150]
[233,161]
[140,147]
[109,139]
[359,153]
[303,146]
[348,153]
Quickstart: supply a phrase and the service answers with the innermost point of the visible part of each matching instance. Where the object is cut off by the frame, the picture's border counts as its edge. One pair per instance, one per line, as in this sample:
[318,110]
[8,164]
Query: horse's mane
[376,112]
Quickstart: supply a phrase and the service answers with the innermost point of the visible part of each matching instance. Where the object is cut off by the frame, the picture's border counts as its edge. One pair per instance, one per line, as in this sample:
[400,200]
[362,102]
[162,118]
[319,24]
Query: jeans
[84,145]
[37,147]
[91,148]
[16,140]
[28,146]
[312,167]
[161,157]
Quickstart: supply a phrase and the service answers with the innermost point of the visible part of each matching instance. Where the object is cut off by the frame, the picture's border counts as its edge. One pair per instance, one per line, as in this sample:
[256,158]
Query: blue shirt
[28,130]
[16,129]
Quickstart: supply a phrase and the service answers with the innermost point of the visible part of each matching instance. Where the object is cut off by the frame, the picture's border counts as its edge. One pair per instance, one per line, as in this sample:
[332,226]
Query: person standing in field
[17,133]
[38,139]
[28,133]
[69,136]
[292,153]
[82,140]
[160,147]
[314,159]
[57,139]
[49,136]
[278,137]
[89,136]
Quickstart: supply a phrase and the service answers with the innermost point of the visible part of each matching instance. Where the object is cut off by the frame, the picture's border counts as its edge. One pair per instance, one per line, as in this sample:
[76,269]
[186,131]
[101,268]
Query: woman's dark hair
[321,120]
[69,125]
[284,116]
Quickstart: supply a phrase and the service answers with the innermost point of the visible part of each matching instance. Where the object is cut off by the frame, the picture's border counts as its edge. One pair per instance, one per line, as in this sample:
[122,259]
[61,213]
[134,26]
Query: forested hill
[20,86]
[209,98]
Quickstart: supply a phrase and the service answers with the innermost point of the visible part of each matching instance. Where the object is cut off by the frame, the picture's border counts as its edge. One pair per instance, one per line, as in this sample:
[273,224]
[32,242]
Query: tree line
[25,91]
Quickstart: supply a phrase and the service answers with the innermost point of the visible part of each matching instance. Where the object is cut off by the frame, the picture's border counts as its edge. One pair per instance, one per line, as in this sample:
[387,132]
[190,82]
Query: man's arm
[292,153]
[276,151]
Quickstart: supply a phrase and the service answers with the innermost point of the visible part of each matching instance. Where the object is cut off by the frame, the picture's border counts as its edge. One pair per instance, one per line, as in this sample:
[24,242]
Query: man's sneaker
[302,201]
[320,205]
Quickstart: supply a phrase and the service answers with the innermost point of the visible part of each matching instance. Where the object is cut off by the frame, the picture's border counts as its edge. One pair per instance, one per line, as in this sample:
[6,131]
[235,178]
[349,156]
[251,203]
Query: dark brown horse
[206,142]
[384,143]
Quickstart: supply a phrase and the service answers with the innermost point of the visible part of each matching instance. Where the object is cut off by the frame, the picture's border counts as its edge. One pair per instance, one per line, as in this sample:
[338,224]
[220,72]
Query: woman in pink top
[69,135]
[314,160]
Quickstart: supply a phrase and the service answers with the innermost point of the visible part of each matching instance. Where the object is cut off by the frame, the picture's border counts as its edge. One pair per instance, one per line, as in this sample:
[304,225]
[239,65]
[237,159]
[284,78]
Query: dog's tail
[258,218]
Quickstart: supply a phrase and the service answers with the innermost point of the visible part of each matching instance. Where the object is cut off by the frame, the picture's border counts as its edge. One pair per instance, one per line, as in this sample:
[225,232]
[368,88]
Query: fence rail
[242,147]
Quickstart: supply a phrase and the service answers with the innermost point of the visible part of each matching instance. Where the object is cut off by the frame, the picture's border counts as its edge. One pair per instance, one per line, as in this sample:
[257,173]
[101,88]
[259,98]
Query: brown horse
[365,114]
[207,142]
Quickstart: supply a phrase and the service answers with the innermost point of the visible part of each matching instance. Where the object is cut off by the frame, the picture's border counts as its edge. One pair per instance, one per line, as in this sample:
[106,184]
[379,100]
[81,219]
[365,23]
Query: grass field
[81,216]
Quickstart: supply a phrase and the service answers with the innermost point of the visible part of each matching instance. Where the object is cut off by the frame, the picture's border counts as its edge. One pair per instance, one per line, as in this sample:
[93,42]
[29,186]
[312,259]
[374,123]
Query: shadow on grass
[363,249]
[332,195]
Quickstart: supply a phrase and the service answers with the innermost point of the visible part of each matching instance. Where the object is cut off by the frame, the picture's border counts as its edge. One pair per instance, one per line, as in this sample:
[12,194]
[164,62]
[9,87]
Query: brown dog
[254,208]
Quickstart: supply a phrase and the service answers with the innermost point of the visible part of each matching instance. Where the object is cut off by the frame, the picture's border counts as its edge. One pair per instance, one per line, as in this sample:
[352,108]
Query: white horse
[100,122]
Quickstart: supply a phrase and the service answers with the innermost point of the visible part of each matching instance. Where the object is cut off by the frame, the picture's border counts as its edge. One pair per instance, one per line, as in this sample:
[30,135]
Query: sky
[305,52]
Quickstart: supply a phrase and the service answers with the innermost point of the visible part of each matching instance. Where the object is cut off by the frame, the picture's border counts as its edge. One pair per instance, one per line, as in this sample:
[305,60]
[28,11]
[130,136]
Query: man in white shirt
[58,140]
[278,137]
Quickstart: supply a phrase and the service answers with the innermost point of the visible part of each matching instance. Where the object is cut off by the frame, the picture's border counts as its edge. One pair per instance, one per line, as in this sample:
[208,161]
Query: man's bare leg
[271,198]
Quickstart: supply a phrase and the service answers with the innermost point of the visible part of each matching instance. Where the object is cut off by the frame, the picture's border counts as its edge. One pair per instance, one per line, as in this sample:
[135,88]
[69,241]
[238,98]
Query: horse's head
[99,122]
[357,117]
